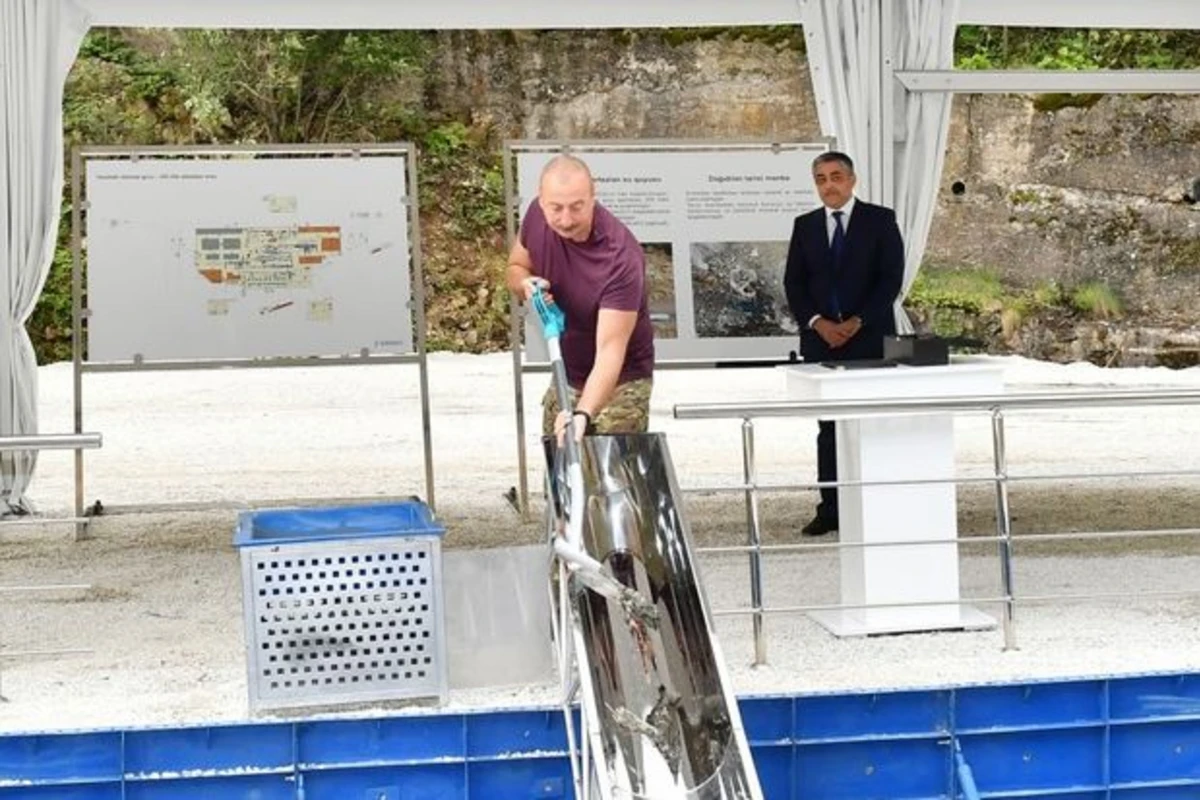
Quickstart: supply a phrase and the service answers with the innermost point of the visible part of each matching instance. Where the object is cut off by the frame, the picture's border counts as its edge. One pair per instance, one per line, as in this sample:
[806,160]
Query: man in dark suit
[845,266]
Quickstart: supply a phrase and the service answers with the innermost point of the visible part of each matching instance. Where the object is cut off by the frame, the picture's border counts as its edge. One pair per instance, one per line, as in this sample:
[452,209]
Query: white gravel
[163,619]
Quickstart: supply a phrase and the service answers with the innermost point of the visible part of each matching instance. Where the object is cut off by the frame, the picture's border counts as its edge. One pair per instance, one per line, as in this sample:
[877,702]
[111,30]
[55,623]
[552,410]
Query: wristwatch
[589,426]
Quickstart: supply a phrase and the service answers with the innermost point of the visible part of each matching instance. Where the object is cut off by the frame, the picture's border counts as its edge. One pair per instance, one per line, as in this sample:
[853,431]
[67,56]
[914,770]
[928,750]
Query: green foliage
[463,178]
[1057,101]
[115,94]
[298,86]
[462,207]
[975,302]
[1097,301]
[979,47]
[50,326]
[1047,294]
[970,290]
[1024,197]
[992,48]
[148,77]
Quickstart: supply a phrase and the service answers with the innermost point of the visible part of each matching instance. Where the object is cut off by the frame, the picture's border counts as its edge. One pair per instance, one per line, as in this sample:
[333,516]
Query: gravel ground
[162,619]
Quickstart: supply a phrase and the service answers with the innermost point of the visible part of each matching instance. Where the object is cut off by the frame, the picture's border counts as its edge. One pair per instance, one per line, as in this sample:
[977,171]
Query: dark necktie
[837,247]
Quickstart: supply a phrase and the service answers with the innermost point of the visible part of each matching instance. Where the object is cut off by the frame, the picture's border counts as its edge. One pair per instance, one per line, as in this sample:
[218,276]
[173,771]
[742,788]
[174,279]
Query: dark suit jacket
[868,280]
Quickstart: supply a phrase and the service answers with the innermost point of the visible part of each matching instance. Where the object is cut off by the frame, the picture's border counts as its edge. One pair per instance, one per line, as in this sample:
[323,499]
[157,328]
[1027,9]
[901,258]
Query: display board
[247,256]
[714,221]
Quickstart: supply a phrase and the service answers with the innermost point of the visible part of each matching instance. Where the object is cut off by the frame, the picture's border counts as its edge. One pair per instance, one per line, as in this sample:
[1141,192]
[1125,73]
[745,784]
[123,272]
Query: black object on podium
[917,351]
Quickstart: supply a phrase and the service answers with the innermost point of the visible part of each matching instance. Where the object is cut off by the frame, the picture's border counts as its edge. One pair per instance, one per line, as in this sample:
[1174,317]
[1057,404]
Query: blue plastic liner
[1127,738]
[291,525]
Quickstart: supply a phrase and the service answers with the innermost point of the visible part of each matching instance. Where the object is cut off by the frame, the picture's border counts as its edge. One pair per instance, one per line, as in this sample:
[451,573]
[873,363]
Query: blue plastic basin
[290,525]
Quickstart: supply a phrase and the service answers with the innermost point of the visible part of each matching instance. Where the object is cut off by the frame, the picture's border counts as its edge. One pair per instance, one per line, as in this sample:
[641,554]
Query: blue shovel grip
[554,322]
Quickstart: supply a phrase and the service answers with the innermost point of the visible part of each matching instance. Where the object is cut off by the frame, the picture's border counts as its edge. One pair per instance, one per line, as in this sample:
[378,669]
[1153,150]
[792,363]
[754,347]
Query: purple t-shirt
[606,271]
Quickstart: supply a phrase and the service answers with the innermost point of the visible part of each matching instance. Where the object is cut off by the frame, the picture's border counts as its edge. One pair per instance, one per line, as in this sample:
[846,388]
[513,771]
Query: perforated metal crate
[342,605]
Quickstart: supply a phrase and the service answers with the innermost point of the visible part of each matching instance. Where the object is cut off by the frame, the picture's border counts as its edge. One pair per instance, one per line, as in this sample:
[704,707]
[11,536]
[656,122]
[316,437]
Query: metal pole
[1004,528]
[77,324]
[418,294]
[886,143]
[50,441]
[894,407]
[754,537]
[514,336]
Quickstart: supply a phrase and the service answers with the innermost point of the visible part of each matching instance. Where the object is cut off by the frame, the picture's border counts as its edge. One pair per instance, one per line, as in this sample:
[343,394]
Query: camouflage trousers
[627,412]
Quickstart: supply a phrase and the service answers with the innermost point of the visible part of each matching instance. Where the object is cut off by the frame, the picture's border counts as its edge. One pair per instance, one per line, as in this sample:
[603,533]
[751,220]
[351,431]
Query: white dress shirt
[831,223]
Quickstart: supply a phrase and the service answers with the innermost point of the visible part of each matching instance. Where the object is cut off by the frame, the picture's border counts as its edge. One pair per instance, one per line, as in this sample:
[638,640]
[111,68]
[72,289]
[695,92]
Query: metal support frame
[1003,526]
[754,540]
[994,405]
[515,316]
[886,139]
[1102,81]
[51,441]
[11,590]
[1157,14]
[56,441]
[79,205]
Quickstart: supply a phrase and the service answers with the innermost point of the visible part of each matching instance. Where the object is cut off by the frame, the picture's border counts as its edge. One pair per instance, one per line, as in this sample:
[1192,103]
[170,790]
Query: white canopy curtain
[845,58]
[924,41]
[39,40]
[851,81]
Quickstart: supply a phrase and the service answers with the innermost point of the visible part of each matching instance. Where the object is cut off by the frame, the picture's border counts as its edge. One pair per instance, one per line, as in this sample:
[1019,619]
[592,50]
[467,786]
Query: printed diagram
[265,258]
[660,286]
[738,289]
[249,257]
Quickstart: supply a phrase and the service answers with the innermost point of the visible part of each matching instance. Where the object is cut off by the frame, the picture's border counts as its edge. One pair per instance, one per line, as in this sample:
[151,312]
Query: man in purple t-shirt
[595,271]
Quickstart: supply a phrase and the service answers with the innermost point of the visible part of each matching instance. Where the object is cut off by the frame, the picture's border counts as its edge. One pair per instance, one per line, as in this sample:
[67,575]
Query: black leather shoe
[819,526]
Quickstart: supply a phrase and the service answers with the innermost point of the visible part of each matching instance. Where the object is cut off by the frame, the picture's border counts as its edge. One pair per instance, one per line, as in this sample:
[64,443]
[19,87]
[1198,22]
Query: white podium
[908,447]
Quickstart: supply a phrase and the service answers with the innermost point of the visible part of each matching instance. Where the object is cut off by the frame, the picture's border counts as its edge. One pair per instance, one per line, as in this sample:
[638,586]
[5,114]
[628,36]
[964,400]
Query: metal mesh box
[342,605]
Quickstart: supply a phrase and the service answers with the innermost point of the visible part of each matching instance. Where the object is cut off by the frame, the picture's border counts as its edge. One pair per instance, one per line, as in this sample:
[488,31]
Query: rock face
[1037,190]
[1079,194]
[605,84]
[1100,192]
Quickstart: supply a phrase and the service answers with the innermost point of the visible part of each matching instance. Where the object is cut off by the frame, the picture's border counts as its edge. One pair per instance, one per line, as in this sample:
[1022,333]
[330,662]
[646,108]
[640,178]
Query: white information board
[714,222]
[247,257]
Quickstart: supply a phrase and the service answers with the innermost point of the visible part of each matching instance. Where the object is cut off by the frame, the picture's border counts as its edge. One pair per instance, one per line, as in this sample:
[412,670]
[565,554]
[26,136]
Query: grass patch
[1057,102]
[1097,301]
[977,304]
[971,290]
[1047,294]
[1024,197]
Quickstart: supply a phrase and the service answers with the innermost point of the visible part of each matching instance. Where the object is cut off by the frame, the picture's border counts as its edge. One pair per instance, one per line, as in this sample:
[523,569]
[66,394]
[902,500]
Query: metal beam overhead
[1052,81]
[1148,14]
[535,14]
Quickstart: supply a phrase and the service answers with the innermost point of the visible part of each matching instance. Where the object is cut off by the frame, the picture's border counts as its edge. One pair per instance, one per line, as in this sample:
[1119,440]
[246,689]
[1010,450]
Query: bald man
[594,270]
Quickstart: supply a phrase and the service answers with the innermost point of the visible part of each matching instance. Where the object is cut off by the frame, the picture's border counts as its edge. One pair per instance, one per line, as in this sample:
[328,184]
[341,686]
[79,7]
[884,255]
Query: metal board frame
[79,206]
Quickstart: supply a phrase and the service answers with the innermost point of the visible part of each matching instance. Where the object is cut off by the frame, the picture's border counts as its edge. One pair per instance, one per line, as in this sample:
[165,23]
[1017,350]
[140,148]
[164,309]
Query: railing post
[1004,527]
[754,539]
[77,327]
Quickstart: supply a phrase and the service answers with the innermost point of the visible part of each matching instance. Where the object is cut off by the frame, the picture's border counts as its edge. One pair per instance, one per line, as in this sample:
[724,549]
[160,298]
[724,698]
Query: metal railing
[14,654]
[56,441]
[995,406]
[50,441]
